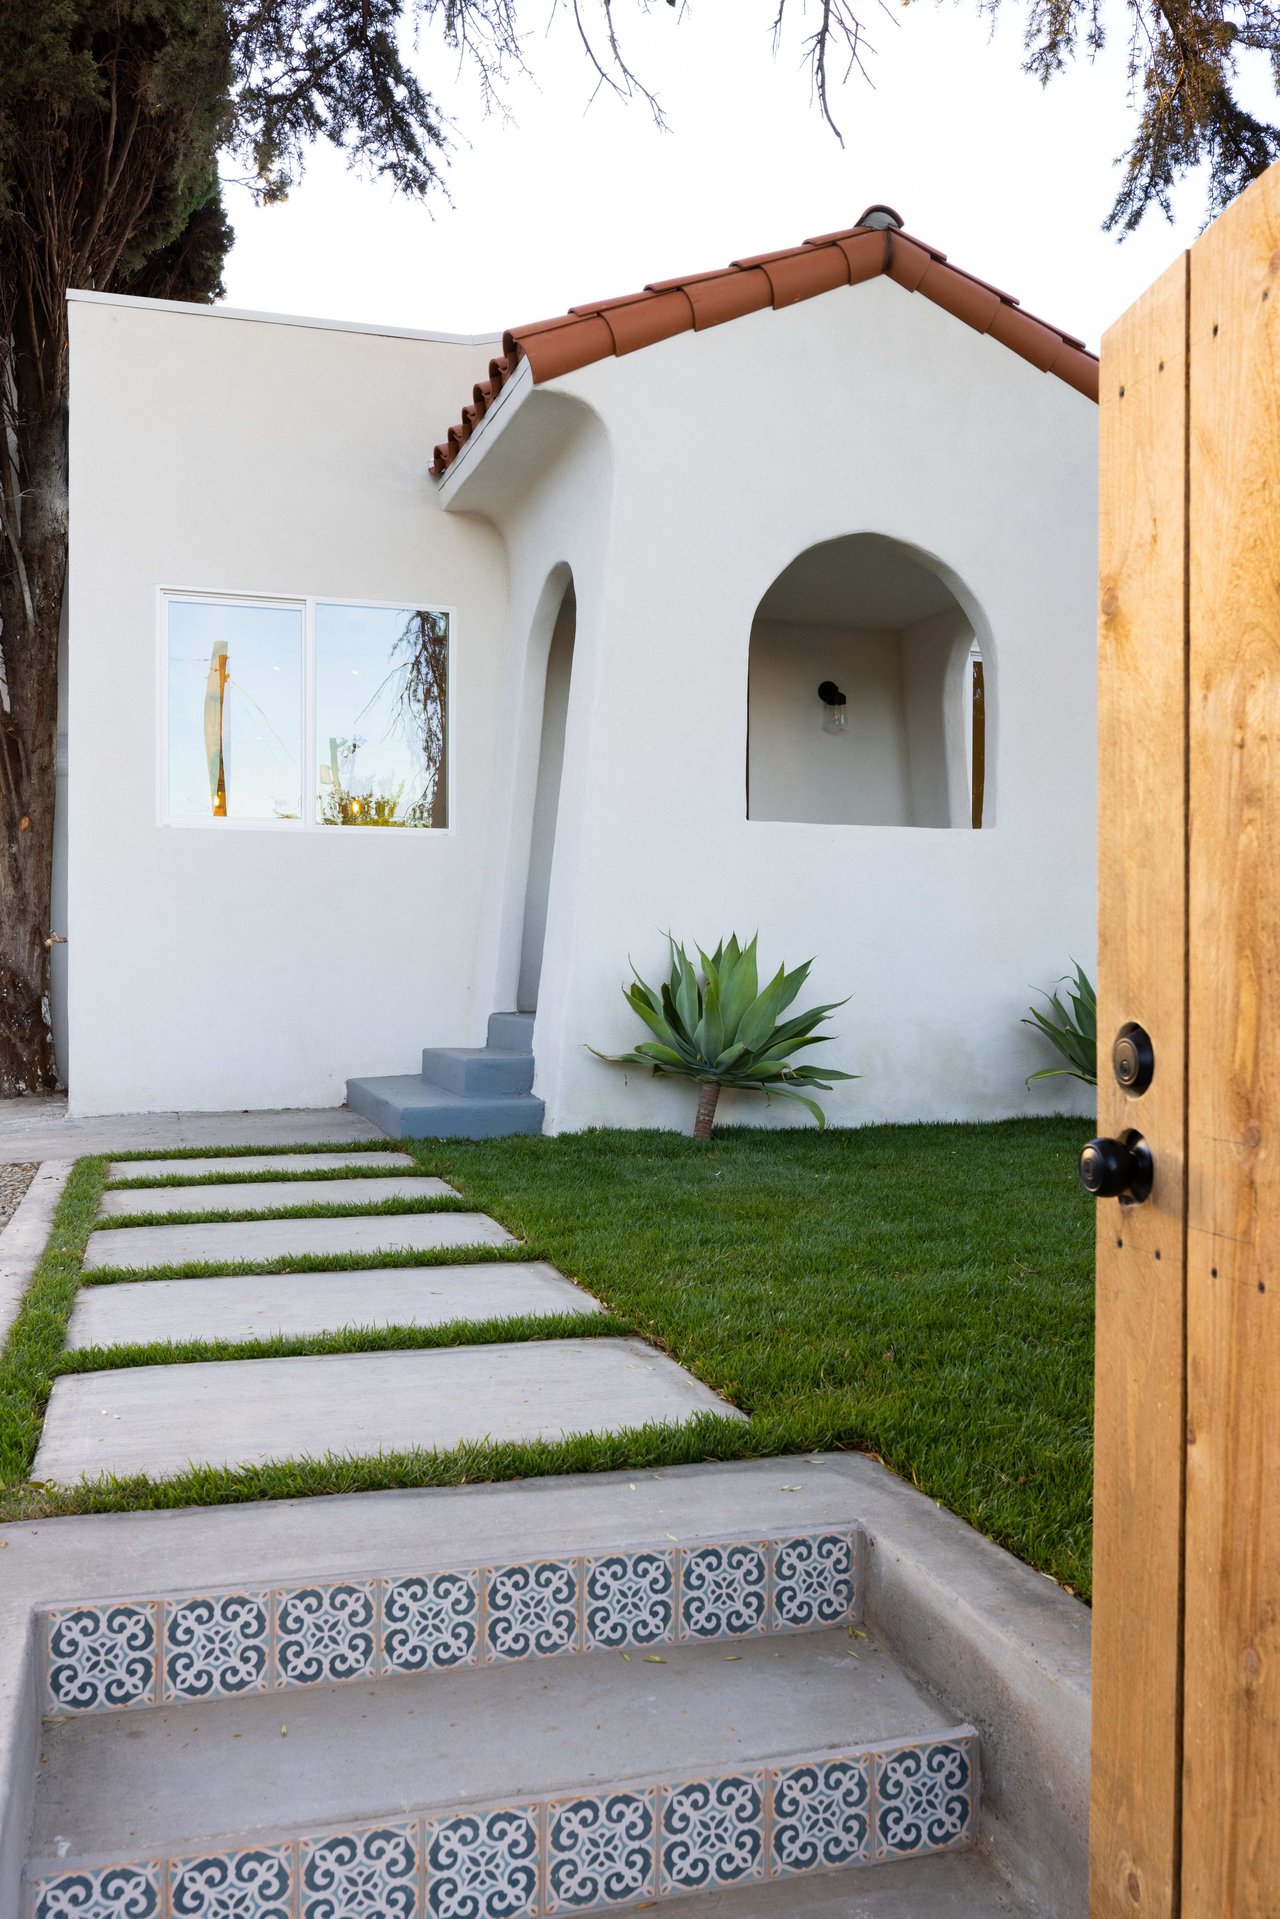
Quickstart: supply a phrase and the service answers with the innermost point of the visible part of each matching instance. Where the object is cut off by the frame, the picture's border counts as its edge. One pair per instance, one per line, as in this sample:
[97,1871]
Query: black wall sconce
[835,708]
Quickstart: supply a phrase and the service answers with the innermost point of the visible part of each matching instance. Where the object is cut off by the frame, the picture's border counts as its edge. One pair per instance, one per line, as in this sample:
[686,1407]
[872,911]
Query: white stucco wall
[724,455]
[218,968]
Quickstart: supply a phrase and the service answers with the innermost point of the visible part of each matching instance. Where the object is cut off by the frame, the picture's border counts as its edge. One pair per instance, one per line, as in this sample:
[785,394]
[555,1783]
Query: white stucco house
[365,742]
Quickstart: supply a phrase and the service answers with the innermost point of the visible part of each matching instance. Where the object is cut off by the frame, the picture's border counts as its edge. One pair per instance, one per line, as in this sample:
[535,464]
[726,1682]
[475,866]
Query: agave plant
[1073,1031]
[721,1030]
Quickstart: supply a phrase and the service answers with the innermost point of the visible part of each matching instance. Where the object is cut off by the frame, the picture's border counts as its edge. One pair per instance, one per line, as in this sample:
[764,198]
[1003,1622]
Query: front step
[406,1106]
[464,1092]
[529,1786]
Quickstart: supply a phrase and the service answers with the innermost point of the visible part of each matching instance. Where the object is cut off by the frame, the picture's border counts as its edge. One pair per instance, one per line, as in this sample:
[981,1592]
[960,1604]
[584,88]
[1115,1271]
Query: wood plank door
[1186,1769]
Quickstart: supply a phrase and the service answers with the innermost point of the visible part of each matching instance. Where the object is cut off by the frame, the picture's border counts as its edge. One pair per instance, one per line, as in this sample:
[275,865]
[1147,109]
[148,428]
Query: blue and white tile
[430,1621]
[925,1797]
[255,1884]
[601,1851]
[100,1892]
[813,1581]
[711,1833]
[217,1645]
[629,1600]
[326,1633]
[101,1658]
[483,1865]
[820,1815]
[724,1590]
[373,1873]
[531,1610]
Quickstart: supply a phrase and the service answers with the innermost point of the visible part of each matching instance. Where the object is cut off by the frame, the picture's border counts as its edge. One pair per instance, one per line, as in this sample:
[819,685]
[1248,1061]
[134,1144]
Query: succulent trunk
[708,1096]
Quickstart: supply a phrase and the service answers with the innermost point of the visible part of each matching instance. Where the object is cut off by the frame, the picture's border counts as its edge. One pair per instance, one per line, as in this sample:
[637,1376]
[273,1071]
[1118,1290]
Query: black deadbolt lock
[1133,1059]
[1118,1168]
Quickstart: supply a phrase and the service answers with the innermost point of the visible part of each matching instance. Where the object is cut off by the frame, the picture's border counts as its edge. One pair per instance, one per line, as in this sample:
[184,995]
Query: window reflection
[382,716]
[235,711]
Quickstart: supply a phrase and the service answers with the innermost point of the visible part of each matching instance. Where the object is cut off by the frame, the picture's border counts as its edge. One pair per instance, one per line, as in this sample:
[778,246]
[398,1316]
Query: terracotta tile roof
[666,307]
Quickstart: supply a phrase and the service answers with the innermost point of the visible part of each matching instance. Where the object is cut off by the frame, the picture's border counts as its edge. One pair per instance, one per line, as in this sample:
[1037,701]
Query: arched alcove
[546,805]
[897,734]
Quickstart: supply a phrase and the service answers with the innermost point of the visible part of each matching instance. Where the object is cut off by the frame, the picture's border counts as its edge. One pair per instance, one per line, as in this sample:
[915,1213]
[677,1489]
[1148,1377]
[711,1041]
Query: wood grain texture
[1231,1795]
[1137,1618]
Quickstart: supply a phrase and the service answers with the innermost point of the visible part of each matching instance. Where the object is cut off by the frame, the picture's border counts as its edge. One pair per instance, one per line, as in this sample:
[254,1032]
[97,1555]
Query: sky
[567,199]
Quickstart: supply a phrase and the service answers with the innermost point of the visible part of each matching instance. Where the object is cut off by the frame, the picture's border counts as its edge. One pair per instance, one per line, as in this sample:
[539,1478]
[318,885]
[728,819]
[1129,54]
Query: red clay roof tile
[700,300]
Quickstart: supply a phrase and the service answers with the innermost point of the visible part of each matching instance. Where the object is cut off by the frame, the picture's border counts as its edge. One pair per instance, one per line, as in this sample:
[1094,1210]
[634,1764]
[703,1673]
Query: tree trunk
[31,591]
[708,1097]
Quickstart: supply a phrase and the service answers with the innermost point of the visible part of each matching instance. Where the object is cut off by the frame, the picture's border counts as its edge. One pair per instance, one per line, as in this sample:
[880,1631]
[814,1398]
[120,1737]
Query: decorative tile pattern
[821,1815]
[483,1865]
[233,1885]
[101,1658]
[629,1600]
[105,1655]
[326,1633]
[105,1892]
[531,1611]
[724,1590]
[813,1581]
[600,1851]
[712,1833]
[361,1875]
[216,1644]
[924,1798]
[430,1621]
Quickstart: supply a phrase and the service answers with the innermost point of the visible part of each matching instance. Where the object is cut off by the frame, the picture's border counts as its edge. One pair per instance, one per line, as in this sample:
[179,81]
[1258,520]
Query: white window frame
[306,604]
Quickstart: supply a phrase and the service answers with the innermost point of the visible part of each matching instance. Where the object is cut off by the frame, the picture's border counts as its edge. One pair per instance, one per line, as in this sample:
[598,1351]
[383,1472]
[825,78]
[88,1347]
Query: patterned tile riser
[114,1655]
[598,1851]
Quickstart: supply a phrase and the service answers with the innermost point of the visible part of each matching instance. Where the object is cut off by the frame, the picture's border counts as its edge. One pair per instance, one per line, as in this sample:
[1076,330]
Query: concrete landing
[39,1127]
[140,1247]
[175,1777]
[253,1163]
[305,1305]
[260,1195]
[160,1419]
[958,1885]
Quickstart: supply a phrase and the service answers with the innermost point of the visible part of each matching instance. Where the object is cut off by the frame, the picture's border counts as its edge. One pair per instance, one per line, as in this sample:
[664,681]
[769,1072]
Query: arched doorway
[867,693]
[546,805]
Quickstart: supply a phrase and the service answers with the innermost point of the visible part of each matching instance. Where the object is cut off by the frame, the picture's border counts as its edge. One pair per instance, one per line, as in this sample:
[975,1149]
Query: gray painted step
[305,1305]
[476,1071]
[409,1107]
[260,1196]
[177,1777]
[254,1163]
[140,1247]
[160,1419]
[512,1030]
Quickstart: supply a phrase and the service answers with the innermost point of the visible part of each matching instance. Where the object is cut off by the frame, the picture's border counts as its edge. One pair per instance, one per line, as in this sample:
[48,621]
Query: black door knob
[1117,1168]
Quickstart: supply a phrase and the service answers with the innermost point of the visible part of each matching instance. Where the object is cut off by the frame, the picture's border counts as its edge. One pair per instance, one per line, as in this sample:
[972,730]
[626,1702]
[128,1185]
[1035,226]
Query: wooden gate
[1186,1768]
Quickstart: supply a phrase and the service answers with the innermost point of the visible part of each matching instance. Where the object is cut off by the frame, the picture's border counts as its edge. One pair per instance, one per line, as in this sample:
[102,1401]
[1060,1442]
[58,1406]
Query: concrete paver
[138,1247]
[254,1163]
[259,1195]
[306,1305]
[160,1419]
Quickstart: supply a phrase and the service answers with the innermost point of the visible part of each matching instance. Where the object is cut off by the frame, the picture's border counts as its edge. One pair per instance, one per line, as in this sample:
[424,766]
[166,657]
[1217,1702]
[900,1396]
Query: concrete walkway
[39,1128]
[240,1411]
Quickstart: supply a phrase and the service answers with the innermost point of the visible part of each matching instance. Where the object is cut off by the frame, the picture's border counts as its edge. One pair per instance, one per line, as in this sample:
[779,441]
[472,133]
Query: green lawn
[920,1292]
[924,1293]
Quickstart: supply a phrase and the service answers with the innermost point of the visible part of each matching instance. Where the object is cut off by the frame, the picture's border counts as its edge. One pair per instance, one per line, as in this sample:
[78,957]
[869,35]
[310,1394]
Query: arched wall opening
[546,804]
[897,736]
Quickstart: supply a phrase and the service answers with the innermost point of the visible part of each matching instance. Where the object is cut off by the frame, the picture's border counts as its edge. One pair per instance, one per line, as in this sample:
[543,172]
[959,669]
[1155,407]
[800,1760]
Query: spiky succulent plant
[721,1030]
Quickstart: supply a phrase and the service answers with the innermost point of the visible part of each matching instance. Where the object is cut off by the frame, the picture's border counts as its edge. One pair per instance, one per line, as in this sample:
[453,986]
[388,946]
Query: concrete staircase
[673,1718]
[463,1092]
